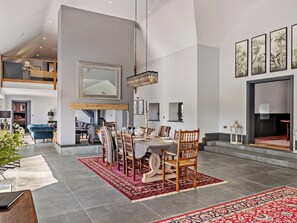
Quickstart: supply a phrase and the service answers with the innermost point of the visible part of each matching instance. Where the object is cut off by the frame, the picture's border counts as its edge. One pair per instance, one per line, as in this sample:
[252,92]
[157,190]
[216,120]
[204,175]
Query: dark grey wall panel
[12,70]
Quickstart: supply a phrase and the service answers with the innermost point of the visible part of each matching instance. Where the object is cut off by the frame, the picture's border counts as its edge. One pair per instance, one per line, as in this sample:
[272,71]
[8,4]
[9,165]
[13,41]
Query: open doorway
[21,113]
[270,112]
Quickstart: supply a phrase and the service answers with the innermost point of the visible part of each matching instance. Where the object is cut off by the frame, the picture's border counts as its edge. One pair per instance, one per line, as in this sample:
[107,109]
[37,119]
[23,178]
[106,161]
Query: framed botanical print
[294,47]
[135,107]
[140,107]
[278,50]
[258,55]
[241,58]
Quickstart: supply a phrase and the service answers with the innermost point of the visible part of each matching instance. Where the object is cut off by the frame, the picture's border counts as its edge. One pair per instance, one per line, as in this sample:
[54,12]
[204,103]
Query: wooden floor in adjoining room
[272,142]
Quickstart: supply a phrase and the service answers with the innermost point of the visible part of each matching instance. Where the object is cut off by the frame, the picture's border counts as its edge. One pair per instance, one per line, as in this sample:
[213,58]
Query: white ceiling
[24,23]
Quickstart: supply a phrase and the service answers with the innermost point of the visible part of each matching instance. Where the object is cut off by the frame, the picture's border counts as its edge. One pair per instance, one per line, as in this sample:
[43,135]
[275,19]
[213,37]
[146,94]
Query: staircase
[269,156]
[90,114]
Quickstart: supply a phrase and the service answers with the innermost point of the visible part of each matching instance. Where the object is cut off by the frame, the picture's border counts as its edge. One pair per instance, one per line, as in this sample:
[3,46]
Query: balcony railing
[25,70]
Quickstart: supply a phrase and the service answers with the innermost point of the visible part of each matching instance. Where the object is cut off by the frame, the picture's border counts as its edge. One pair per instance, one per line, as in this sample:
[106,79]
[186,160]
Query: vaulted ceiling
[29,27]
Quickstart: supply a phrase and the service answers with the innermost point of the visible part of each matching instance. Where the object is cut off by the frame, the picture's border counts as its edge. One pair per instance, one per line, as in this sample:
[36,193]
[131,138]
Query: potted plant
[9,143]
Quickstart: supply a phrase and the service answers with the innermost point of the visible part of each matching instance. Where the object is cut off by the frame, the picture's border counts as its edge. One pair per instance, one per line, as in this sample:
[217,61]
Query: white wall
[2,103]
[177,83]
[208,89]
[40,106]
[214,18]
[110,115]
[170,28]
[275,94]
[172,51]
[261,17]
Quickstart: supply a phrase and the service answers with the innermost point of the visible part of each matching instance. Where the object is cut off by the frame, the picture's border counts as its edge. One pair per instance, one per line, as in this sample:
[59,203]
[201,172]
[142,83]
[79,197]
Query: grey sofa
[81,127]
[93,136]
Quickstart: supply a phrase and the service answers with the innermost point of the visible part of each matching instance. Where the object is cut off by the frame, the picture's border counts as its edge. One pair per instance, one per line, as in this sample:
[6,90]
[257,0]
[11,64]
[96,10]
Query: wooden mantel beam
[87,106]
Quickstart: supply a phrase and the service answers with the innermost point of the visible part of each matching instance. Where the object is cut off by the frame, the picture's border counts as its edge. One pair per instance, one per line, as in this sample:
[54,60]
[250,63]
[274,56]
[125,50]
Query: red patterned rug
[277,205]
[136,190]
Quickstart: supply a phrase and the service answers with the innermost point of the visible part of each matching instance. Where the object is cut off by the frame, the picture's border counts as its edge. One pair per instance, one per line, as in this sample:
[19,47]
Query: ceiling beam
[87,106]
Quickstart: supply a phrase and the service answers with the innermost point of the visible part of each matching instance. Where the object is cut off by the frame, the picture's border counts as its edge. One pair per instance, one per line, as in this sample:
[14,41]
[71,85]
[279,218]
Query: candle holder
[236,133]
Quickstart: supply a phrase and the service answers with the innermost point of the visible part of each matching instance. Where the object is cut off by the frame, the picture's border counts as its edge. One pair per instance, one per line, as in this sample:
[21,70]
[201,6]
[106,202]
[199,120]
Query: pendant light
[147,77]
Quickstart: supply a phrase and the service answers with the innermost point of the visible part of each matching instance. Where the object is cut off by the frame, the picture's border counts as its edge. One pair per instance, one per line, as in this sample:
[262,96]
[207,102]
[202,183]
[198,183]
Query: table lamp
[50,115]
[4,115]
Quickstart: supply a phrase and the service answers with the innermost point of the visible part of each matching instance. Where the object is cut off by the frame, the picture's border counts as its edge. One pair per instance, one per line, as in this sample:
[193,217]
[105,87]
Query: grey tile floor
[80,196]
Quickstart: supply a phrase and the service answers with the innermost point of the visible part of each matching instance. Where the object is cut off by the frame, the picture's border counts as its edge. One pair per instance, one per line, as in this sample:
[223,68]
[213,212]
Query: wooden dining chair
[131,162]
[120,151]
[176,134]
[103,144]
[186,157]
[143,129]
[164,131]
[149,131]
[109,146]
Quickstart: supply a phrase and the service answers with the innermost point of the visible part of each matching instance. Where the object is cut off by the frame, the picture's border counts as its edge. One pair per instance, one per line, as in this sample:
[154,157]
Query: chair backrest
[143,129]
[119,142]
[128,144]
[188,143]
[108,142]
[149,130]
[164,131]
[176,134]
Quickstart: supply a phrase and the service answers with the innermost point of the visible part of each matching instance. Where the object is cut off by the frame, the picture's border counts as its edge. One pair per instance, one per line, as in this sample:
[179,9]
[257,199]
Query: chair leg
[177,178]
[163,172]
[140,166]
[103,155]
[124,164]
[118,159]
[133,168]
[195,176]
[127,173]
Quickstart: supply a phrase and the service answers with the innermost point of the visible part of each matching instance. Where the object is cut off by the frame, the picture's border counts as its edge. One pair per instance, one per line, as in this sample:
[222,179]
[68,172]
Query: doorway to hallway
[270,112]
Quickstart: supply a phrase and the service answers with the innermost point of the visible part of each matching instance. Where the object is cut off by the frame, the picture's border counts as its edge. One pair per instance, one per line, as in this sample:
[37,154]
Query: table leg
[288,131]
[155,172]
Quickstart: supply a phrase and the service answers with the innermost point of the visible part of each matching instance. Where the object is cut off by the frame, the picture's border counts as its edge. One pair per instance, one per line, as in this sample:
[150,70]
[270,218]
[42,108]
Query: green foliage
[8,147]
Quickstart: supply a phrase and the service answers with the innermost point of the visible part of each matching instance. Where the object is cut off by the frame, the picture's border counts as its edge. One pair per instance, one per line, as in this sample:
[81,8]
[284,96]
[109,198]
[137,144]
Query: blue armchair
[41,131]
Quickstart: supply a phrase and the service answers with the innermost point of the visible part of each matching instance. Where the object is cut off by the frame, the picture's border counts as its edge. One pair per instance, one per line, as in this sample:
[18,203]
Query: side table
[22,211]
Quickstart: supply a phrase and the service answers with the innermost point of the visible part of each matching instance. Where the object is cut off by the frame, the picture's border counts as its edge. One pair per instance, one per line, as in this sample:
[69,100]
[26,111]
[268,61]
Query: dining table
[154,146]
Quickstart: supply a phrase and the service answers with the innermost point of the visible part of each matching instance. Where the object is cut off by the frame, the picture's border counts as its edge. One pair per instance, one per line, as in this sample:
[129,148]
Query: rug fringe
[181,191]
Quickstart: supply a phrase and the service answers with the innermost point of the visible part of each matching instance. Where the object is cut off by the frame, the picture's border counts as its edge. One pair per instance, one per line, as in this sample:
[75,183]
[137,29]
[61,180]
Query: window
[154,114]
[175,112]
